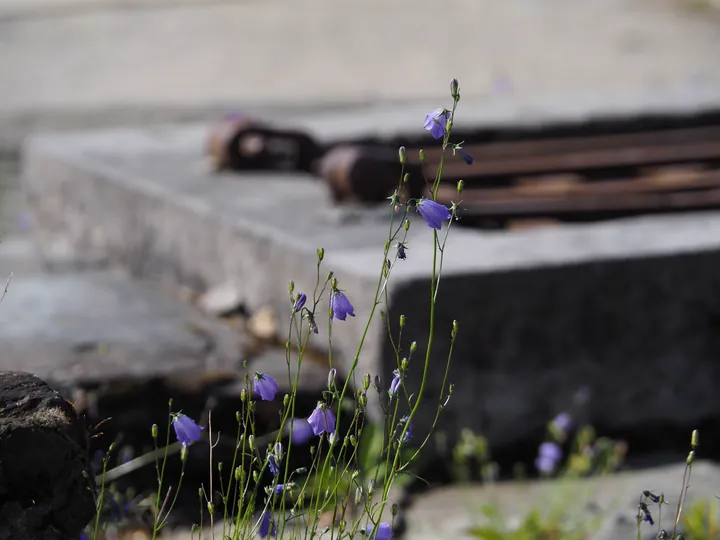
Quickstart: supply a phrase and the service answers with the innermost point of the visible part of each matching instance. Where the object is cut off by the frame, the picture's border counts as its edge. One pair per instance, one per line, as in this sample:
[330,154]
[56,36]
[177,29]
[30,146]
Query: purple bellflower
[322,420]
[549,456]
[186,430]
[384,532]
[267,527]
[300,302]
[562,422]
[265,385]
[408,432]
[436,122]
[401,251]
[395,383]
[302,431]
[340,306]
[434,213]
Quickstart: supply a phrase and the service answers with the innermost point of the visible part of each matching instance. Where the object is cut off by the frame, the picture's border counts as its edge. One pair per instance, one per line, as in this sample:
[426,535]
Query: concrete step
[621,308]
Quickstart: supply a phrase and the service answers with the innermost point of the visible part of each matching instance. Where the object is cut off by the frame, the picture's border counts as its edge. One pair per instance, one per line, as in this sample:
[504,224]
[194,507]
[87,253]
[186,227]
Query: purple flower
[340,306]
[279,489]
[436,122]
[395,384]
[549,456]
[302,431]
[266,525]
[265,385]
[384,532]
[434,213]
[408,433]
[401,251]
[467,157]
[562,422]
[300,302]
[272,463]
[322,420]
[186,430]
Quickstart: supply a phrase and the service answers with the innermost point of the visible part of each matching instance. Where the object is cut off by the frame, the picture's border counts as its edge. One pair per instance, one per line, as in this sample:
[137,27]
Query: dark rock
[45,493]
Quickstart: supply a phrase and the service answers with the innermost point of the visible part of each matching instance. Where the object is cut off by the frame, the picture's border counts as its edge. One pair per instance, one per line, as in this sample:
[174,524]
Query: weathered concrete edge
[85,206]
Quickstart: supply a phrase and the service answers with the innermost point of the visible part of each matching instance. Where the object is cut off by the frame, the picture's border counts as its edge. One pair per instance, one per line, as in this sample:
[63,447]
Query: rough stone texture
[611,501]
[99,326]
[623,307]
[44,494]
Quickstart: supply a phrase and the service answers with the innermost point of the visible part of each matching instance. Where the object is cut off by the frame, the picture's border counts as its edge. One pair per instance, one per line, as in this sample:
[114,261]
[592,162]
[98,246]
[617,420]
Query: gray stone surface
[98,326]
[610,501]
[96,62]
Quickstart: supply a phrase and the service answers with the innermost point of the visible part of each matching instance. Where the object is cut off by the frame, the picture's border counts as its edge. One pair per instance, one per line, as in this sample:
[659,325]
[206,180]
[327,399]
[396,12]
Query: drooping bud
[454,89]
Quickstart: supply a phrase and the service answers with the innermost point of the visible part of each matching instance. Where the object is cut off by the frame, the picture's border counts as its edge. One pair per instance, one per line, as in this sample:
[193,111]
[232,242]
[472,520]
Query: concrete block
[99,326]
[628,308]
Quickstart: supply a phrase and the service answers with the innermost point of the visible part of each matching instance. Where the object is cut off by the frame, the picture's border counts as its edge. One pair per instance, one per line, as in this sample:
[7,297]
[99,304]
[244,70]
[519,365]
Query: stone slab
[622,307]
[515,58]
[98,326]
[450,512]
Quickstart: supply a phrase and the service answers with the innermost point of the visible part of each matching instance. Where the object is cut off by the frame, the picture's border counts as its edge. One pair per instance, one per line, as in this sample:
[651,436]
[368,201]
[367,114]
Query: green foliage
[701,520]
[557,525]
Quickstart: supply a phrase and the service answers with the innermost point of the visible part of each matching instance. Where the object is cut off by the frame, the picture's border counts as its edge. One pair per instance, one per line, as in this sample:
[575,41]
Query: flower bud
[695,439]
[251,442]
[154,431]
[403,320]
[406,225]
[394,509]
[301,470]
[243,395]
[454,88]
[238,417]
[286,400]
[406,178]
[402,154]
[454,328]
[331,377]
[423,156]
[220,466]
[256,475]
[211,508]
[366,381]
[413,347]
[404,364]
[460,186]
[358,495]
[362,400]
[238,474]
[333,282]
[278,450]
[320,254]
[291,288]
[691,458]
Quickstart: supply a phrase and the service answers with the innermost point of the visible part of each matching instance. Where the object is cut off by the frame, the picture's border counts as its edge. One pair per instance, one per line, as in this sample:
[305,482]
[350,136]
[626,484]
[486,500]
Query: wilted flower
[300,302]
[340,306]
[401,251]
[395,383]
[467,157]
[272,464]
[436,122]
[549,456]
[265,385]
[408,432]
[384,532]
[266,525]
[322,420]
[434,213]
[186,430]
